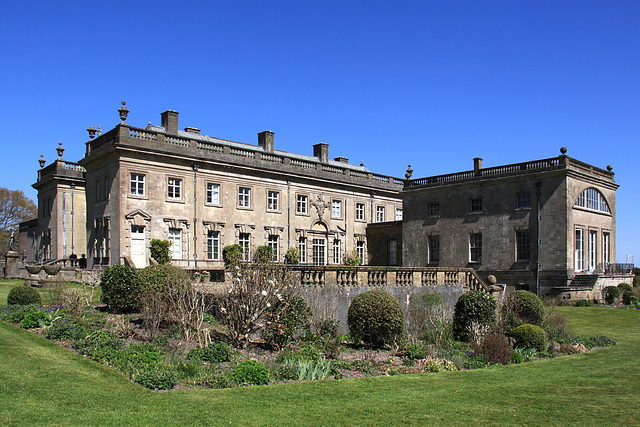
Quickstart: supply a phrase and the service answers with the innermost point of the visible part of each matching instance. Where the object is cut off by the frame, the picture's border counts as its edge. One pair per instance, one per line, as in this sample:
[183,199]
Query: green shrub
[416,351]
[625,287]
[352,258]
[263,255]
[160,250]
[283,372]
[292,256]
[140,356]
[306,352]
[496,349]
[120,288]
[157,378]
[216,352]
[523,307]
[158,278]
[101,346]
[23,295]
[610,294]
[250,372]
[15,313]
[584,303]
[632,300]
[232,255]
[529,336]
[375,318]
[473,306]
[64,329]
[284,318]
[32,320]
[636,281]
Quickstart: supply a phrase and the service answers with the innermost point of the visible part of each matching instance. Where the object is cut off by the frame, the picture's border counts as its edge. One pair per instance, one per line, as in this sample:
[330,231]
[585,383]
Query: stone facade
[204,193]
[557,212]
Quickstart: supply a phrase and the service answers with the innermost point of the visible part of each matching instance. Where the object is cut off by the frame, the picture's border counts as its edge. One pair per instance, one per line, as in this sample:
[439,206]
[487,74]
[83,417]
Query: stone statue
[320,205]
[12,240]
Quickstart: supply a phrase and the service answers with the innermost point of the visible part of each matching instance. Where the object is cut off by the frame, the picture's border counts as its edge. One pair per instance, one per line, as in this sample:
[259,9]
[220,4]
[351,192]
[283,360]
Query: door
[593,245]
[138,246]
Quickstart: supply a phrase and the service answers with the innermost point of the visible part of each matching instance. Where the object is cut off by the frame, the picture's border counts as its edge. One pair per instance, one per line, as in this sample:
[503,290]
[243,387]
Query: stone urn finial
[92,132]
[563,150]
[42,161]
[409,172]
[609,168]
[123,112]
[60,150]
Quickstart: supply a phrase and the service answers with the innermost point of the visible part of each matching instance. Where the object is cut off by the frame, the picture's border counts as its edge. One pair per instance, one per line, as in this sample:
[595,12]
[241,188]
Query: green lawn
[41,383]
[46,292]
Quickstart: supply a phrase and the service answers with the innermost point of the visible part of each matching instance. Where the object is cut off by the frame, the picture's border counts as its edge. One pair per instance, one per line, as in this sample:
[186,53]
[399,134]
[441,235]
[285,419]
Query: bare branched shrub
[477,331]
[74,301]
[255,288]
[553,323]
[495,348]
[187,306]
[426,319]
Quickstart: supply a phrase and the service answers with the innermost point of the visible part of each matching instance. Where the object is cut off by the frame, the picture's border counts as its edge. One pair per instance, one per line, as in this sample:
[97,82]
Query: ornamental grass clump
[376,319]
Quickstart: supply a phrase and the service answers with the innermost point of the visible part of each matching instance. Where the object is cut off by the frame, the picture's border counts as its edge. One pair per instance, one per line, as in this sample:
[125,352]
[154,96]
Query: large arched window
[593,200]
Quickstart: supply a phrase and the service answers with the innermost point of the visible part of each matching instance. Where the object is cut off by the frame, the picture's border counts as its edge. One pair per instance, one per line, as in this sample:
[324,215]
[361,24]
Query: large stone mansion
[533,225]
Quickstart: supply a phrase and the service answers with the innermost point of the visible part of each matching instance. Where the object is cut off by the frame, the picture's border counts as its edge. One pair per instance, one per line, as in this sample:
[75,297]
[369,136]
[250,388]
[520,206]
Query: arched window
[593,200]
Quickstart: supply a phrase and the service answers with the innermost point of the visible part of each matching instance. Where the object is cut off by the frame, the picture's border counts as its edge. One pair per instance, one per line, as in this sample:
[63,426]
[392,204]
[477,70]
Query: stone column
[11,266]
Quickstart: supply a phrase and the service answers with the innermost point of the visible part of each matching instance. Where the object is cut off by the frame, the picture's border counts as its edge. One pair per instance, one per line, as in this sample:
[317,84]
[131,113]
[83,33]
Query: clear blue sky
[430,83]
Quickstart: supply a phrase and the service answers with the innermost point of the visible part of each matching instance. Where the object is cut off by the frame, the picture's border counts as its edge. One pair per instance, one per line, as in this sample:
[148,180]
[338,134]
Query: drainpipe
[195,216]
[538,184]
[288,214]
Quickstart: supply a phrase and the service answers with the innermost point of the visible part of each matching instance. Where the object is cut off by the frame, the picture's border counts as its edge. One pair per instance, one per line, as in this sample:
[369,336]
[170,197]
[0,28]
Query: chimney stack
[321,151]
[265,140]
[477,166]
[170,121]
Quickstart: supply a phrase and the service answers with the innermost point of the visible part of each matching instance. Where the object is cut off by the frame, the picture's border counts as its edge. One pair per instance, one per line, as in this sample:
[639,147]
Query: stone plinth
[11,266]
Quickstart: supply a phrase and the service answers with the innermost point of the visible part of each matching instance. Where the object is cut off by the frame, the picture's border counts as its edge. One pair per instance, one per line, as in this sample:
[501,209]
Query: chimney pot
[265,140]
[170,121]
[321,151]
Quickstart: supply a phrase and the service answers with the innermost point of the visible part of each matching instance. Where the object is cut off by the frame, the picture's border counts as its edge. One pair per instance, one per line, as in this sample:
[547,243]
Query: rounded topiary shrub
[625,288]
[610,294]
[529,336]
[23,295]
[473,306]
[232,255]
[524,307]
[119,288]
[375,318]
[158,278]
[250,372]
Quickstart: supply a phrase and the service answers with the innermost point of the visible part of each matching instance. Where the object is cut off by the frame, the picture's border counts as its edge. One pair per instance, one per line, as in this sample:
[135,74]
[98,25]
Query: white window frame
[244,240]
[380,211]
[579,249]
[213,245]
[593,249]
[244,197]
[336,208]
[319,251]
[273,241]
[212,191]
[360,212]
[175,237]
[360,251]
[273,201]
[606,248]
[337,251]
[475,248]
[137,185]
[399,214]
[302,247]
[302,204]
[174,188]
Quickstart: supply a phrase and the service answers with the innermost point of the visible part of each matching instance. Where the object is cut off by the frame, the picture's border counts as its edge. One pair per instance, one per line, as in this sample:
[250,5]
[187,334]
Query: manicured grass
[46,292]
[41,383]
